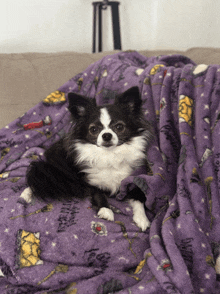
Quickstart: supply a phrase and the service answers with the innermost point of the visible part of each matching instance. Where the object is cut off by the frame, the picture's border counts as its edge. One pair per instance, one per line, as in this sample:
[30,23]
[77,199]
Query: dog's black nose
[107,137]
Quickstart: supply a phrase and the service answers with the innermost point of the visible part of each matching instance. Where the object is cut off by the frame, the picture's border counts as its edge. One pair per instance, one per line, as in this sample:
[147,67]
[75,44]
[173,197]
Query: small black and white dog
[104,146]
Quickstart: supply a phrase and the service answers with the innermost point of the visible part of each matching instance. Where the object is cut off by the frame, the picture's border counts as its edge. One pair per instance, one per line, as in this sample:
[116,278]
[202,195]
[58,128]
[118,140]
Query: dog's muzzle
[107,138]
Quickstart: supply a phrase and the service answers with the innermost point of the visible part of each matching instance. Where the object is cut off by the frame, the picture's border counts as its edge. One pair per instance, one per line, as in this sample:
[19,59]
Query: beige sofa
[25,79]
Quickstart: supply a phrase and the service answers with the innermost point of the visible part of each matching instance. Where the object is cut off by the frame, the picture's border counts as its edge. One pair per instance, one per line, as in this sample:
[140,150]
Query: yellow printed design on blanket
[55,98]
[156,69]
[185,109]
[29,249]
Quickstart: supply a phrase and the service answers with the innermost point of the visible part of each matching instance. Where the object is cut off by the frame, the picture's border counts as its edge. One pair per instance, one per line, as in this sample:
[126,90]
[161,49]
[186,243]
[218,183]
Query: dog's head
[109,125]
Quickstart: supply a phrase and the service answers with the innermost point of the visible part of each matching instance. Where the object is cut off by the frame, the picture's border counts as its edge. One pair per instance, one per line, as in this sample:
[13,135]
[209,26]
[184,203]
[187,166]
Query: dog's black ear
[79,105]
[130,100]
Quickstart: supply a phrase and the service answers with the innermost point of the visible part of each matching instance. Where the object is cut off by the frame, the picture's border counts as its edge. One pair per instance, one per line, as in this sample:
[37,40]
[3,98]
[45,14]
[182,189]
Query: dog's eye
[120,127]
[93,130]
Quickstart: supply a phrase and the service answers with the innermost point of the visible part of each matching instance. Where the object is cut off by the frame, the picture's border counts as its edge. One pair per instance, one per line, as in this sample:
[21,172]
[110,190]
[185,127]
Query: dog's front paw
[106,213]
[141,221]
[139,215]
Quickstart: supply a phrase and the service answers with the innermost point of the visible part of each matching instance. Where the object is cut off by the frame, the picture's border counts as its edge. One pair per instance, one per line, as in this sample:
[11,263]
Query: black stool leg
[116,26]
[100,27]
[94,28]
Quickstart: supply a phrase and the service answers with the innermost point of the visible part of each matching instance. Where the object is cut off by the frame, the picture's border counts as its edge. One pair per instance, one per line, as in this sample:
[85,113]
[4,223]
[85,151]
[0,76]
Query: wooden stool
[99,6]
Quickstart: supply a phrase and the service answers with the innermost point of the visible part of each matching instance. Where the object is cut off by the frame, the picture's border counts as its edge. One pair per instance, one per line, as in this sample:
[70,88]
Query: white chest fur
[107,167]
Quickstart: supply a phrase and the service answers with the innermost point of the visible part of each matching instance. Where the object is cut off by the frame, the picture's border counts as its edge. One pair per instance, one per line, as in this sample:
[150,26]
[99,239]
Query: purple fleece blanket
[65,247]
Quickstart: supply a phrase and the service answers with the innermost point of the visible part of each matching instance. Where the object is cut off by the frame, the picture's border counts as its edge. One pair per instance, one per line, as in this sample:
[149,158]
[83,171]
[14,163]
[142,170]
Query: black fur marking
[57,177]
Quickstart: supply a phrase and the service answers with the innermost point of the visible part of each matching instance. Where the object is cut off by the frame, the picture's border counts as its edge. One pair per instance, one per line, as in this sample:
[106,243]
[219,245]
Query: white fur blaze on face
[139,215]
[106,213]
[105,120]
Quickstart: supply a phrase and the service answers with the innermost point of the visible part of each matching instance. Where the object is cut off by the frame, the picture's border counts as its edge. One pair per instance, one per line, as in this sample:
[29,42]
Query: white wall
[66,25]
[45,25]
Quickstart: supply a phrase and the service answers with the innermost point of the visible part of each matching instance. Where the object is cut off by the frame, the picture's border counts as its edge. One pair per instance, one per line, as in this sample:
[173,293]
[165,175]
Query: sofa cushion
[27,78]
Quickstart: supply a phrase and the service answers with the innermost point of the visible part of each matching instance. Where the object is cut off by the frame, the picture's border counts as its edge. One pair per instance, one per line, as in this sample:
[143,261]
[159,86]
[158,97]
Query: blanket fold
[64,247]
